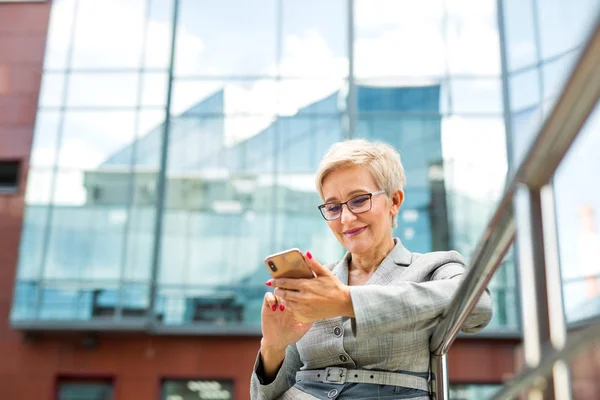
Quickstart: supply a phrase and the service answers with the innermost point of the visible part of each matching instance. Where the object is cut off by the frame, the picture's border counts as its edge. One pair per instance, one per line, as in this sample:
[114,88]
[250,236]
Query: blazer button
[332,393]
[343,358]
[337,331]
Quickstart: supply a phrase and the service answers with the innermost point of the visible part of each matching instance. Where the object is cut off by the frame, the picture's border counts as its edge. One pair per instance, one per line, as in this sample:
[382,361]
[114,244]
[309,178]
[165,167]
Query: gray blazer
[396,311]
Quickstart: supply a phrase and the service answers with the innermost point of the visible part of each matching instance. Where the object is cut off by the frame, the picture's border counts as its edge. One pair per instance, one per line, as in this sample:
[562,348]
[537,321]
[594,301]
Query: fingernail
[268,283]
[281,307]
[274,307]
[309,255]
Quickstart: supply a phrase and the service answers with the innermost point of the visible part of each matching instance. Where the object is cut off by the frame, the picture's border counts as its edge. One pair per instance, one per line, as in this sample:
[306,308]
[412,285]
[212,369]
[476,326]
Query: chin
[357,245]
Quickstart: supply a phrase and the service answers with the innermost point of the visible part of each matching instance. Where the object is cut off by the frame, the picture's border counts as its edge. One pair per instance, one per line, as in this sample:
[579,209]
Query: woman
[370,315]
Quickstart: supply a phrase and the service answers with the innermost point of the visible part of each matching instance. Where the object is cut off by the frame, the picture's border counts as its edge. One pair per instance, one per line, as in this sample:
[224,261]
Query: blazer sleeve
[286,377]
[406,305]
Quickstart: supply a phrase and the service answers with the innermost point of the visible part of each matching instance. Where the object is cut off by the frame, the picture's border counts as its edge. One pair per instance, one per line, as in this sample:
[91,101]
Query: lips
[354,232]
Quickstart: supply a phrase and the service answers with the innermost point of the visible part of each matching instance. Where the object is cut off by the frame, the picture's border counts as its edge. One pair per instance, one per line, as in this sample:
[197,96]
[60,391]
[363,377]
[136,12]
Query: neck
[368,262]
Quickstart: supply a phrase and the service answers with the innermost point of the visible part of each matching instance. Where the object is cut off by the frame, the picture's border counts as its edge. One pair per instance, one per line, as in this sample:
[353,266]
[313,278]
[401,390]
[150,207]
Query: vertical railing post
[439,368]
[541,299]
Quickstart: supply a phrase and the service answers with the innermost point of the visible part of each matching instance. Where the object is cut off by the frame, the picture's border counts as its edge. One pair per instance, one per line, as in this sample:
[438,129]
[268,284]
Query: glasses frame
[322,206]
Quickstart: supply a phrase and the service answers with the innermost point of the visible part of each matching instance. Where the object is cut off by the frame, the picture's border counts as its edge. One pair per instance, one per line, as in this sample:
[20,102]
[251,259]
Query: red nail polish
[274,307]
[281,307]
[309,255]
[268,283]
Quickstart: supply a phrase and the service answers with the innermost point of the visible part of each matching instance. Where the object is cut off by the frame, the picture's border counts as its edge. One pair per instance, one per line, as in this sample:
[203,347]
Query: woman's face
[363,232]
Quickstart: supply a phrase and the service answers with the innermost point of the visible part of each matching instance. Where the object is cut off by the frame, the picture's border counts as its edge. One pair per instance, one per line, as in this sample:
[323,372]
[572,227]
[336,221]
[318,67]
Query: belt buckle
[335,375]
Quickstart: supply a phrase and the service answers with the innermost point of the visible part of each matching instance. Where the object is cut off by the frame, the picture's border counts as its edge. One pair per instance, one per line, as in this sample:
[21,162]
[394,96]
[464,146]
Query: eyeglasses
[356,205]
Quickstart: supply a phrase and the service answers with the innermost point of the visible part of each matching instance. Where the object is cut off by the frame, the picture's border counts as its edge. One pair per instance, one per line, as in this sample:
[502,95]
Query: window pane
[79,238]
[314,38]
[52,90]
[311,96]
[59,34]
[9,176]
[472,37]
[154,89]
[476,96]
[67,300]
[95,46]
[216,97]
[384,25]
[103,90]
[520,35]
[45,138]
[85,391]
[565,25]
[32,242]
[555,75]
[195,389]
[226,38]
[157,50]
[90,138]
[524,90]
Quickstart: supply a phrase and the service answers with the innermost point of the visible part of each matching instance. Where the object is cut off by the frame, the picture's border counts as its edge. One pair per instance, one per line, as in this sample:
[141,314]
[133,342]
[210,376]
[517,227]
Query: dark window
[85,390]
[9,176]
[194,389]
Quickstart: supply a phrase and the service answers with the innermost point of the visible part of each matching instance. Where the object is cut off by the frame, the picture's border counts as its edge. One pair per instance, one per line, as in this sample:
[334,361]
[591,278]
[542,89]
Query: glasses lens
[360,203]
[332,211]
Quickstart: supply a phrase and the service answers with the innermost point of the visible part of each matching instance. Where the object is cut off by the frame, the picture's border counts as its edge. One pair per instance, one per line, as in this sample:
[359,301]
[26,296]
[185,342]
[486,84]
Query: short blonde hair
[381,159]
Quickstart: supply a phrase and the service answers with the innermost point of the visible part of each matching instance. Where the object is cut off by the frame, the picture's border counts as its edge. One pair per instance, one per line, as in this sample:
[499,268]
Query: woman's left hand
[318,298]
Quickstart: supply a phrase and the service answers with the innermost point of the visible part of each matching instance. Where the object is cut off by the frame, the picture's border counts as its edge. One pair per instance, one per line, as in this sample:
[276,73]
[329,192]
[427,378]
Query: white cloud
[407,38]
[475,156]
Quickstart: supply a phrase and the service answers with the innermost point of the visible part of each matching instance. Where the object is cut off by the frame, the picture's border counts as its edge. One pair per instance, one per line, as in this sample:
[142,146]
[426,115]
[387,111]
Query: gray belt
[339,375]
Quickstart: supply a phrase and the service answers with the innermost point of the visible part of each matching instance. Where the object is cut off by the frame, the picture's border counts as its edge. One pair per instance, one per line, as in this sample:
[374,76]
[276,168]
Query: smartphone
[288,264]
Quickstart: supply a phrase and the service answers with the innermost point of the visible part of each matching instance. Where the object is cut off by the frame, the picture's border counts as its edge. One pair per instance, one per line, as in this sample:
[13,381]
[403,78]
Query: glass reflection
[575,21]
[102,90]
[213,40]
[519,31]
[60,30]
[314,44]
[471,35]
[118,47]
[388,24]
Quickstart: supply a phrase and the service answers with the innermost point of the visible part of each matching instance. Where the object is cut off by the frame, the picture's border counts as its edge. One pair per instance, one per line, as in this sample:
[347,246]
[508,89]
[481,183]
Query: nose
[347,215]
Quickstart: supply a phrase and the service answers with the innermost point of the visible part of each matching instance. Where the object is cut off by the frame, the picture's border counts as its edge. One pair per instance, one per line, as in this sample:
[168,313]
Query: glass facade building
[238,134]
[216,130]
[176,150]
[543,40]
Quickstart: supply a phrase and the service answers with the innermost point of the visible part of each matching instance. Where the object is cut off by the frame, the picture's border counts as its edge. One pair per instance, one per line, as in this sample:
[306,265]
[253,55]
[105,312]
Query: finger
[290,284]
[316,266]
[270,301]
[288,295]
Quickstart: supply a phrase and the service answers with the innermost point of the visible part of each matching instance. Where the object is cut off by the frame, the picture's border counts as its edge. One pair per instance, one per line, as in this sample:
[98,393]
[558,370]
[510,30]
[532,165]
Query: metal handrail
[578,99]
[576,343]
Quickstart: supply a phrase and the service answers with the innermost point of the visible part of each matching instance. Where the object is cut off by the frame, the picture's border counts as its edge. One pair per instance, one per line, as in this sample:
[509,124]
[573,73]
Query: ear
[397,199]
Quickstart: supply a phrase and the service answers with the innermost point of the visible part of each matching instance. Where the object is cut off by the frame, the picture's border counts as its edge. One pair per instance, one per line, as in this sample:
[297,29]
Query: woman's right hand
[280,327]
